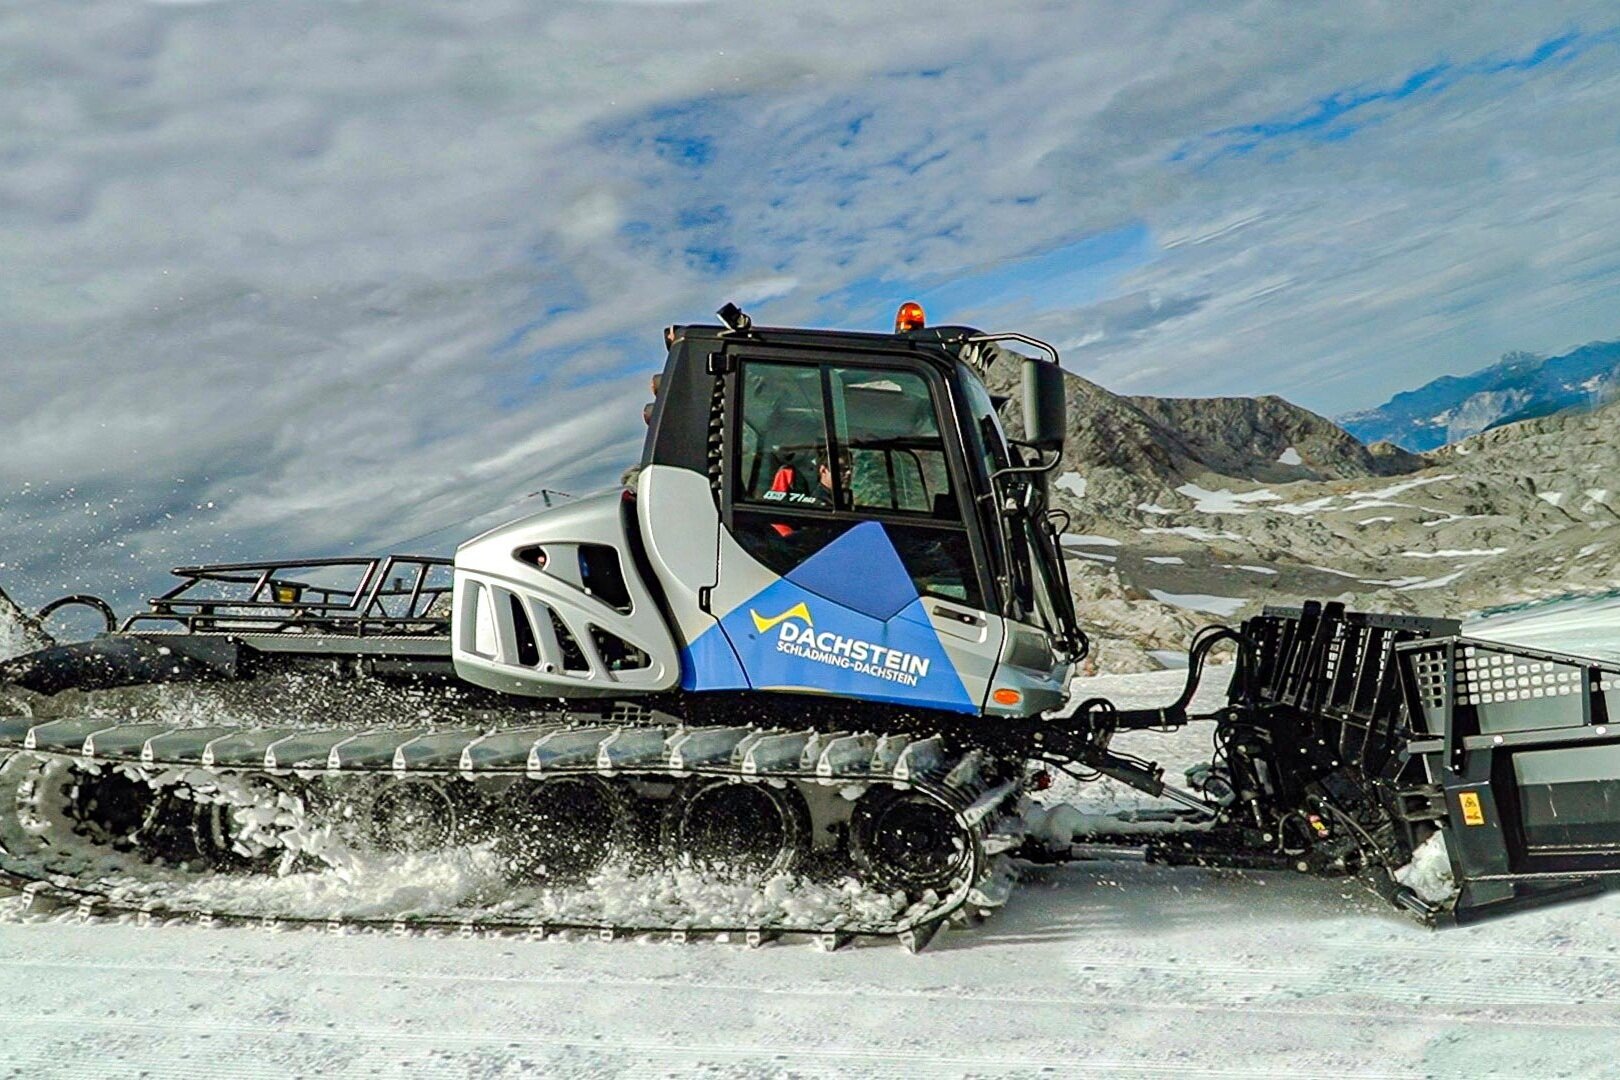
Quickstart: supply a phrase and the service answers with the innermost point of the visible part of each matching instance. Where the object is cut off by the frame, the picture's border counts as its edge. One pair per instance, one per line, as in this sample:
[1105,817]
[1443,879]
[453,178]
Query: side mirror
[1045,415]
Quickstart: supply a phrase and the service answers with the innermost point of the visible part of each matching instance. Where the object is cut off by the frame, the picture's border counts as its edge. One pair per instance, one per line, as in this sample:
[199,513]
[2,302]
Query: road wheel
[414,815]
[563,829]
[905,840]
[750,830]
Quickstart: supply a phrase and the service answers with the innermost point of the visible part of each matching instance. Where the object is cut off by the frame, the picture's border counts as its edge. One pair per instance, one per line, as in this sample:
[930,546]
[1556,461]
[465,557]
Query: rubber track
[952,782]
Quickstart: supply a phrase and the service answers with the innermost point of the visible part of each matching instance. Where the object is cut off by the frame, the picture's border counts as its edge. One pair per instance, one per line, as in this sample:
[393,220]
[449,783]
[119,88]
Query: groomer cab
[842,513]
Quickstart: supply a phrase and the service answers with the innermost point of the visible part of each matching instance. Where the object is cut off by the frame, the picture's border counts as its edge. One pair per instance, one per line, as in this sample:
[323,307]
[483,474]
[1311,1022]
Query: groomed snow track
[956,800]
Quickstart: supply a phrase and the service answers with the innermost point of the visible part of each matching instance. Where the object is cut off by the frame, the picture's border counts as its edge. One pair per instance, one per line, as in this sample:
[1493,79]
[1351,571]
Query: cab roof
[925,340]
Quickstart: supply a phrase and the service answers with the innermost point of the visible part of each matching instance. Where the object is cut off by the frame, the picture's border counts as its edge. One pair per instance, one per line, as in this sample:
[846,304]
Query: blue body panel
[847,621]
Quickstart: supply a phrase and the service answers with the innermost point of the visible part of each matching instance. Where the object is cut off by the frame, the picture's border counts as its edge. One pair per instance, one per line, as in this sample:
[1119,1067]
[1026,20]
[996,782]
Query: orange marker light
[909,317]
[1007,697]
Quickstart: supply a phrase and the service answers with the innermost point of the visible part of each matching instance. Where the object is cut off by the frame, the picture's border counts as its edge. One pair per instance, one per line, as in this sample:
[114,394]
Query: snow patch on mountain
[1192,532]
[1404,486]
[1433,583]
[1307,508]
[1448,518]
[1223,501]
[1073,483]
[1218,605]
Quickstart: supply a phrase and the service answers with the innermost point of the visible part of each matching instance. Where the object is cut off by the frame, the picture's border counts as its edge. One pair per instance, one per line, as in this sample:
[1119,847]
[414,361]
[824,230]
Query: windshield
[989,442]
[1048,582]
[825,443]
[1040,586]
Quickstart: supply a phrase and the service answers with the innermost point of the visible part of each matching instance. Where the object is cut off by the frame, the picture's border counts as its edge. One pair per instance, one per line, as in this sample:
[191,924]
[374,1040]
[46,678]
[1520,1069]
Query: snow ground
[1587,627]
[1106,968]
[1094,970]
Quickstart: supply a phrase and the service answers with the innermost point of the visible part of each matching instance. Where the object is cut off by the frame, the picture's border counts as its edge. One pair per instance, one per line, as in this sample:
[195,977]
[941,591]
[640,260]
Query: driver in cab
[788,486]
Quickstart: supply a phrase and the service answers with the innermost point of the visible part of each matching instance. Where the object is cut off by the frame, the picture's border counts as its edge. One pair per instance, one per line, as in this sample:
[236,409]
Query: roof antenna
[736,320]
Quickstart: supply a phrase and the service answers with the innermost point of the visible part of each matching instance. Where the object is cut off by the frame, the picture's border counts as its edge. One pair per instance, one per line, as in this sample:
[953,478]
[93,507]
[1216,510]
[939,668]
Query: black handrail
[360,610]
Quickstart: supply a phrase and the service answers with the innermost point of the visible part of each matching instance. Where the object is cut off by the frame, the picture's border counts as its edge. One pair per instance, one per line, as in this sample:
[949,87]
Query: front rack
[357,596]
[1512,753]
[1336,670]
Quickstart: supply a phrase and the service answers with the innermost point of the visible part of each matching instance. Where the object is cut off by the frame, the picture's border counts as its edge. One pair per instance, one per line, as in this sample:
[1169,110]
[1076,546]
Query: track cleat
[916,939]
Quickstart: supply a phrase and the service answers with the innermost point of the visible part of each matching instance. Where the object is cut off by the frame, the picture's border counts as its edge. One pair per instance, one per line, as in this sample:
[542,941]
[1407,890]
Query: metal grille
[717,428]
[1429,674]
[1488,677]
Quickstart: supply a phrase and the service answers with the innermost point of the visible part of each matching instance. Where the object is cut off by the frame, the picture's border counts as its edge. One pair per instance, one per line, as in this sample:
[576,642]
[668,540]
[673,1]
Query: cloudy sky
[303,277]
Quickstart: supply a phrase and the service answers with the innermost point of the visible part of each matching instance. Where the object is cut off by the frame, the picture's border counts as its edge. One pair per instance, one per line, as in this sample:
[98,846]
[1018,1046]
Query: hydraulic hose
[1175,713]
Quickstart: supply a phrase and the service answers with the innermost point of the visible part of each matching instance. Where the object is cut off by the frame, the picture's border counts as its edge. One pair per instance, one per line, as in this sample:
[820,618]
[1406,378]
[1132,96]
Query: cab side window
[783,432]
[895,456]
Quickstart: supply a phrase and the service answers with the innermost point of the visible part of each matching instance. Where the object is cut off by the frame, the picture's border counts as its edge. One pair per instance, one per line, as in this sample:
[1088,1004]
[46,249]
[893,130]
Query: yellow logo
[797,611]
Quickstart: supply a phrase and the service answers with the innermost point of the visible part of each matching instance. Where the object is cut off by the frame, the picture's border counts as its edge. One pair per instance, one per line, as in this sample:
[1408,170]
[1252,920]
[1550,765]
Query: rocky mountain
[1265,438]
[1272,440]
[1186,511]
[1521,386]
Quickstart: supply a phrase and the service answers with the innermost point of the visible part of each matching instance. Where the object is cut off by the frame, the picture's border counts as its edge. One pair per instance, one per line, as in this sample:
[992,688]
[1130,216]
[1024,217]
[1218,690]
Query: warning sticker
[1473,812]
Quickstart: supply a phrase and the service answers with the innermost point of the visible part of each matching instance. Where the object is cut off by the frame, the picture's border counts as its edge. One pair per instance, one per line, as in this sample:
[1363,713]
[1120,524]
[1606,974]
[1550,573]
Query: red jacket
[783,481]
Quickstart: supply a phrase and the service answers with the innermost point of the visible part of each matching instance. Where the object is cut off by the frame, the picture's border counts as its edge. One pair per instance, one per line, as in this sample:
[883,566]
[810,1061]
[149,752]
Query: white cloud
[757,292]
[340,272]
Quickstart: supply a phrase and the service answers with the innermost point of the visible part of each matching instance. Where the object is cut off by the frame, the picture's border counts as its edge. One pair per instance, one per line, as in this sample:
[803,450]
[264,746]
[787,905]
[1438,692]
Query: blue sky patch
[1081,272]
[1343,113]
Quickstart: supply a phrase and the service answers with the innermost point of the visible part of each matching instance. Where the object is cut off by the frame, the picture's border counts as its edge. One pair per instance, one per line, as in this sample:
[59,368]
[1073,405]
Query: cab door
[848,564]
